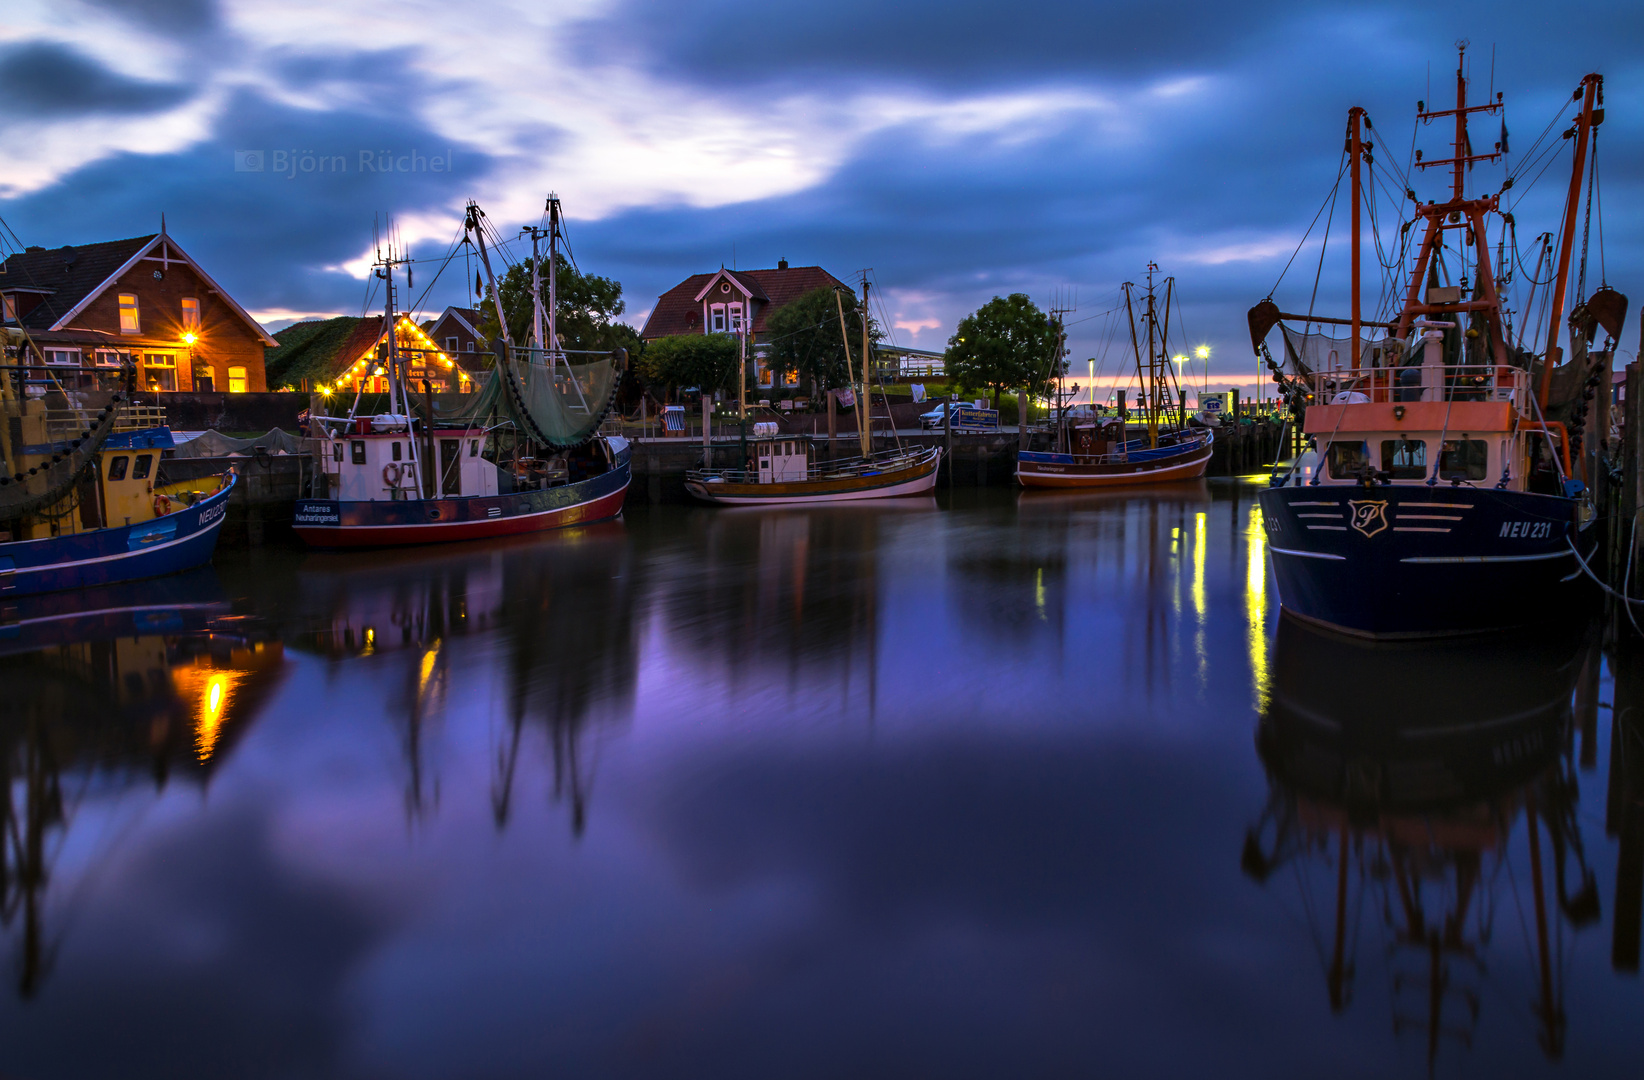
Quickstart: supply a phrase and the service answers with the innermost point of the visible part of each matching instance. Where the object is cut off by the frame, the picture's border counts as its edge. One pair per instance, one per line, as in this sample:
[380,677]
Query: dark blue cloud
[172,17]
[267,235]
[48,81]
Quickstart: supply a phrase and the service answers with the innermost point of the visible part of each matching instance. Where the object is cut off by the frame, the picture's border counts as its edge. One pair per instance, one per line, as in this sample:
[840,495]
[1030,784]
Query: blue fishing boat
[84,503]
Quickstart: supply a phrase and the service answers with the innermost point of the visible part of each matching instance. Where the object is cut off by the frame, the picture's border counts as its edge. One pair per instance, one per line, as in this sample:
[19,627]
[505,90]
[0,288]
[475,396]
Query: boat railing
[68,423]
[885,461]
[1421,382]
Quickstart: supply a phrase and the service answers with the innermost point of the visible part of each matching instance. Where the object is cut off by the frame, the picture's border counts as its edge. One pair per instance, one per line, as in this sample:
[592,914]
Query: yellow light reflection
[1039,594]
[215,693]
[1255,600]
[427,671]
[1198,565]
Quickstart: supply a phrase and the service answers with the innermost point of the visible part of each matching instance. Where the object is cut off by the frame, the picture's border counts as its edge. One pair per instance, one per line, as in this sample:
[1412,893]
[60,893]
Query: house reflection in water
[104,702]
[1436,794]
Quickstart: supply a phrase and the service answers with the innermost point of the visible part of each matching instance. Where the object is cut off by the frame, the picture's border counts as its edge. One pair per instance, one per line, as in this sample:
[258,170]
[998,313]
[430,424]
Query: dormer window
[128,314]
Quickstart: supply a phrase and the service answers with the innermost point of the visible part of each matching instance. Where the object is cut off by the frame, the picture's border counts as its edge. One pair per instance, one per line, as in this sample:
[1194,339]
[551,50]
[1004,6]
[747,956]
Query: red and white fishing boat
[522,454]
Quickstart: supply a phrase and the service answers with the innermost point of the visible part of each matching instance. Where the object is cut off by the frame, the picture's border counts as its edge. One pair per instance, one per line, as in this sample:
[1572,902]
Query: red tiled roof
[71,273]
[678,311]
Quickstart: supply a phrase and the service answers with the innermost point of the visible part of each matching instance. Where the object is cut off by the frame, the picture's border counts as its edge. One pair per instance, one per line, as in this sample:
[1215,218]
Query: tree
[587,309]
[708,361]
[1005,344]
[805,339]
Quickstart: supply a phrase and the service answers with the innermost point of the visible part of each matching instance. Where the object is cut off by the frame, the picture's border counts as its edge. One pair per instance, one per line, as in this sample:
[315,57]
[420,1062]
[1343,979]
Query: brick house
[724,301]
[88,307]
[457,330]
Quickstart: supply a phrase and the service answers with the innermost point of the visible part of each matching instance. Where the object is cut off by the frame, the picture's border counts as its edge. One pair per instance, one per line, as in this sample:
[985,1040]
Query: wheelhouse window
[236,380]
[160,371]
[1405,459]
[1468,459]
[140,469]
[357,447]
[1348,460]
[129,322]
[191,315]
[117,467]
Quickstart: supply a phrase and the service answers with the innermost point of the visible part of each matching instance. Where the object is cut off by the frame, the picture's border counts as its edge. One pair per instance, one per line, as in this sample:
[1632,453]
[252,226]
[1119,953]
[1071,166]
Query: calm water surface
[1007,786]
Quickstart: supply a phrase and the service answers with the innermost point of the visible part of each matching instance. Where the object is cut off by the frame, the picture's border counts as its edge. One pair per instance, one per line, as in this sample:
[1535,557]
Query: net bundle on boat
[1305,353]
[550,400]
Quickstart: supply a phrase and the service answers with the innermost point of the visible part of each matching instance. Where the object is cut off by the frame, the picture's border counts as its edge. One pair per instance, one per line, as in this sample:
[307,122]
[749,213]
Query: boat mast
[1355,150]
[1152,386]
[474,215]
[399,397]
[1589,93]
[536,289]
[553,276]
[867,408]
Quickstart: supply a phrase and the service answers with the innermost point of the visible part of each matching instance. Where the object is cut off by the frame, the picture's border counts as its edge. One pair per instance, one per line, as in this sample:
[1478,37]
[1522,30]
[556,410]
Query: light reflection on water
[1034,783]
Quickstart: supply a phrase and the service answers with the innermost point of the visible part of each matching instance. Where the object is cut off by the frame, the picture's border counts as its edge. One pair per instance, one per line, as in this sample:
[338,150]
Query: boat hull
[1411,561]
[326,523]
[181,540]
[919,480]
[1065,470]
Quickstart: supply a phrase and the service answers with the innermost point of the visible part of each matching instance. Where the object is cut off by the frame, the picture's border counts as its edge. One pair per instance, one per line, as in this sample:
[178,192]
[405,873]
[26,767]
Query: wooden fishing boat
[83,495]
[786,471]
[522,454]
[1115,462]
[783,469]
[1444,493]
[1102,453]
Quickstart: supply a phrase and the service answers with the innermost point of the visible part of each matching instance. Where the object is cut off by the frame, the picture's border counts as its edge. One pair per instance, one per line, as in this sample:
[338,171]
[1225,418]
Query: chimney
[782,264]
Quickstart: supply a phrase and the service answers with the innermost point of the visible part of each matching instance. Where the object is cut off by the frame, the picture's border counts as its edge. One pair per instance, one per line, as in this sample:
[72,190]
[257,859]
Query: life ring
[392,473]
[162,505]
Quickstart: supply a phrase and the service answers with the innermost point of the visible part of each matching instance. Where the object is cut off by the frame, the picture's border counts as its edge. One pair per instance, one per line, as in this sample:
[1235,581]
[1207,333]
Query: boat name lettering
[1528,530]
[212,513]
[317,515]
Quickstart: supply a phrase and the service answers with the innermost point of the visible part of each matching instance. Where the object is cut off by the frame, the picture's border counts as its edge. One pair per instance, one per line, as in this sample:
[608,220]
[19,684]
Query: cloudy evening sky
[959,149]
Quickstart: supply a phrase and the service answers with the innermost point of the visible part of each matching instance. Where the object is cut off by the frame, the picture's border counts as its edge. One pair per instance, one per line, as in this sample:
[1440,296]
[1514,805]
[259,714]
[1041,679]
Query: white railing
[1422,382]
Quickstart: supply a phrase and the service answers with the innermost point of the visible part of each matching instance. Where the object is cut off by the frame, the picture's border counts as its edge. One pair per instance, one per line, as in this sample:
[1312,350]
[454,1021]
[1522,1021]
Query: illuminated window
[11,307]
[129,323]
[236,380]
[160,371]
[191,314]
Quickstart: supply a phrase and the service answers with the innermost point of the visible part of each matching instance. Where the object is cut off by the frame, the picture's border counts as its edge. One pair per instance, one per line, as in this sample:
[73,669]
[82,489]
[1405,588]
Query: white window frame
[733,320]
[716,318]
[133,309]
[161,361]
[62,357]
[451,344]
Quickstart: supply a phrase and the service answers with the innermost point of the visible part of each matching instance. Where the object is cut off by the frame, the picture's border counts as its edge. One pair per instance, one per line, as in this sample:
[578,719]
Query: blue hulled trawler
[1443,490]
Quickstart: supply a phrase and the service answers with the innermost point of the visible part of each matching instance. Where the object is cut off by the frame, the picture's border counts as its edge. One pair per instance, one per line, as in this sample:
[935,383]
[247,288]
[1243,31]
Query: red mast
[1593,89]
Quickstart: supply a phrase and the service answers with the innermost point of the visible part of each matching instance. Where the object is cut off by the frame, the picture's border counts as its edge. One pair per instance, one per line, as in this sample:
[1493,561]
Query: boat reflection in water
[1434,786]
[554,617]
[109,690]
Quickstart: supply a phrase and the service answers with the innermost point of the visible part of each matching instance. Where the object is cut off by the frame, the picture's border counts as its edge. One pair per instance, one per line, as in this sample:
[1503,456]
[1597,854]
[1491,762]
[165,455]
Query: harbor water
[986,784]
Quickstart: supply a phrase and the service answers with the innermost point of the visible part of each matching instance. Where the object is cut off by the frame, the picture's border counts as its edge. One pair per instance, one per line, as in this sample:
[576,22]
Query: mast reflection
[1404,773]
[108,689]
[562,609]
